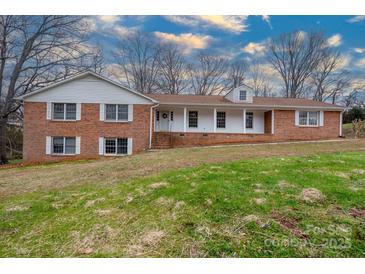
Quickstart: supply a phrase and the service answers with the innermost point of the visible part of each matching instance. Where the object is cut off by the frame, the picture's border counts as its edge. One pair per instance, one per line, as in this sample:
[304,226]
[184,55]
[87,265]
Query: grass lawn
[240,208]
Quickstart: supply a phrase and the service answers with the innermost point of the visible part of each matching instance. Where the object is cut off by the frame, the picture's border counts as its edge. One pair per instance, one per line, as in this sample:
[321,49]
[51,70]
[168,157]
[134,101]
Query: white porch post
[215,120]
[341,123]
[272,121]
[184,119]
[244,120]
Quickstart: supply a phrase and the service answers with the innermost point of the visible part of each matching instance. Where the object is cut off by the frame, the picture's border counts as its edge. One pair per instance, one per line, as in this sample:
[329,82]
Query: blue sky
[236,37]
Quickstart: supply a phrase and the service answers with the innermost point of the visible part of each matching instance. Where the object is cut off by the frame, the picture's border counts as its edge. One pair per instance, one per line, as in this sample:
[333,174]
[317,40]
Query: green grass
[206,211]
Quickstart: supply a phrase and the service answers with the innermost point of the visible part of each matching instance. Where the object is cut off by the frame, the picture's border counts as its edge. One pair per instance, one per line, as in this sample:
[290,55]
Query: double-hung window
[221,119]
[64,145]
[64,111]
[193,119]
[116,112]
[308,118]
[249,120]
[243,95]
[116,146]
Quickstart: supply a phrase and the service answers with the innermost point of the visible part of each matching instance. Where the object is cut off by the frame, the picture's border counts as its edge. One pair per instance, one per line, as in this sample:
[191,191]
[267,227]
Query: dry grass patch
[311,196]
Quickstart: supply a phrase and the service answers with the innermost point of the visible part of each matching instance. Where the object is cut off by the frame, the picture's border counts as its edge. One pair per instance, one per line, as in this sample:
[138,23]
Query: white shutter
[101,146]
[130,146]
[78,111]
[102,112]
[297,117]
[130,113]
[48,144]
[321,118]
[78,143]
[49,111]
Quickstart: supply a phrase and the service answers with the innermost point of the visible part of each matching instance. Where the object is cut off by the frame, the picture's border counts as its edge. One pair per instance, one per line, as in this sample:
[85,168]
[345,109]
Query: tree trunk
[3,158]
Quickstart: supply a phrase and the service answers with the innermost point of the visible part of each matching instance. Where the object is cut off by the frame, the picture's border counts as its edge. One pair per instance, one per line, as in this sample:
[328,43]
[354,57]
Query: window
[249,119]
[116,112]
[64,145]
[116,146]
[243,95]
[157,115]
[63,111]
[193,119]
[221,119]
[308,118]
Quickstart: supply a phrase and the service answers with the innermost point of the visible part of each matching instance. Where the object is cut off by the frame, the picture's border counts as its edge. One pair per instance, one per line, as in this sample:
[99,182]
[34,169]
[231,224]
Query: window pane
[243,95]
[122,146]
[249,119]
[58,111]
[71,111]
[110,112]
[303,117]
[193,119]
[313,118]
[58,145]
[221,119]
[123,112]
[110,146]
[70,145]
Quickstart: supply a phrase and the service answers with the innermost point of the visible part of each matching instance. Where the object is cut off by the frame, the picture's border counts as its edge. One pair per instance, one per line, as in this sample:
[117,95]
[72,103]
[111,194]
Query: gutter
[151,124]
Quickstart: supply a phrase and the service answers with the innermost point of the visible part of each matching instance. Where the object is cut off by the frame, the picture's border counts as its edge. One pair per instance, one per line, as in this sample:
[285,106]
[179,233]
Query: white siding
[88,90]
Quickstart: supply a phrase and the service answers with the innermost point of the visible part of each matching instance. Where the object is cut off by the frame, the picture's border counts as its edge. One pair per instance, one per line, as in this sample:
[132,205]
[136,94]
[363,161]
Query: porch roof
[259,102]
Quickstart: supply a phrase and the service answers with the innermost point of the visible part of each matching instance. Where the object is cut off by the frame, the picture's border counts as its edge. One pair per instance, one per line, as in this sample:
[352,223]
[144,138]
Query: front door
[164,121]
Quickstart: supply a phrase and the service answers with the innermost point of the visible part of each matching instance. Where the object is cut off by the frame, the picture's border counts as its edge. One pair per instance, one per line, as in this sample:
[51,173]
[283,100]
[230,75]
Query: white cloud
[361,63]
[109,19]
[266,18]
[356,19]
[232,23]
[187,41]
[359,50]
[121,31]
[255,48]
[334,40]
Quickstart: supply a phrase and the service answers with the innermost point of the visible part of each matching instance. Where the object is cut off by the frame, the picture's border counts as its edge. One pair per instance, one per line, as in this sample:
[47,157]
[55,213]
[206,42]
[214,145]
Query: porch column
[272,121]
[244,120]
[184,119]
[215,120]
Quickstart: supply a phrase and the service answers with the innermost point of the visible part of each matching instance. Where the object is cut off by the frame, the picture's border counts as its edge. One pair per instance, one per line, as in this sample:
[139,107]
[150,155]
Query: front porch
[176,126]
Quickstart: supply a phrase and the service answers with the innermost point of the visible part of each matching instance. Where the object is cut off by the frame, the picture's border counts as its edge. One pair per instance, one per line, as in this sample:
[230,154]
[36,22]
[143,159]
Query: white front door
[164,121]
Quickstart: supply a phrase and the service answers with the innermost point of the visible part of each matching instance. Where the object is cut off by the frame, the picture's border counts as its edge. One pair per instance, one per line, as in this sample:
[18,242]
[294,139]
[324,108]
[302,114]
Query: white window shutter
[78,144]
[48,144]
[130,146]
[297,117]
[101,145]
[78,111]
[130,113]
[49,111]
[102,112]
[321,118]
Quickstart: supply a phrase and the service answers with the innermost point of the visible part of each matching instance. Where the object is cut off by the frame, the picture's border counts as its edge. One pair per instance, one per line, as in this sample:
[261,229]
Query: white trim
[49,111]
[272,121]
[78,145]
[184,119]
[321,118]
[152,124]
[64,146]
[101,145]
[78,111]
[244,120]
[130,113]
[81,75]
[341,123]
[215,120]
[296,122]
[48,145]
[65,112]
[101,112]
[130,146]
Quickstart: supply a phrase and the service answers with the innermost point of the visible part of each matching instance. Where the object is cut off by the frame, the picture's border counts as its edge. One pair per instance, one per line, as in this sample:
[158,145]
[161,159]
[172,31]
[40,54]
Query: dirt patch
[290,224]
[342,175]
[359,171]
[129,199]
[164,201]
[103,212]
[16,208]
[357,213]
[282,184]
[93,202]
[148,240]
[259,201]
[179,204]
[158,185]
[311,196]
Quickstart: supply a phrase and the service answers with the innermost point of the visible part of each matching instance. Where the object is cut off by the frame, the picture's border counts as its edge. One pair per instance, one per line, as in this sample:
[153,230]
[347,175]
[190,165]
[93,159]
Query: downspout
[151,124]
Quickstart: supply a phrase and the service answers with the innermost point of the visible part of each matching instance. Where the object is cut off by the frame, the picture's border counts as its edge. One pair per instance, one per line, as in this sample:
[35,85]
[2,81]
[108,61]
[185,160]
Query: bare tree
[236,75]
[329,81]
[138,58]
[295,56]
[207,75]
[259,81]
[172,75]
[35,51]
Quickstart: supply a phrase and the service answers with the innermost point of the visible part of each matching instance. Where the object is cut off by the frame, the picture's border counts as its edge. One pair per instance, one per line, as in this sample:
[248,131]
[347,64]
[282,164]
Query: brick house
[89,116]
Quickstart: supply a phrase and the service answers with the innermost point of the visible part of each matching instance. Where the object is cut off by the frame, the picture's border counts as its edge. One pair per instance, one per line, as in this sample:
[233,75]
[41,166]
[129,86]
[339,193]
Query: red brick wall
[89,128]
[285,130]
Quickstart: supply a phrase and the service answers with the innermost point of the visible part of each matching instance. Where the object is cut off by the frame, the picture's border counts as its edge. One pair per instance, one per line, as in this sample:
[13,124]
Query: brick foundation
[89,128]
